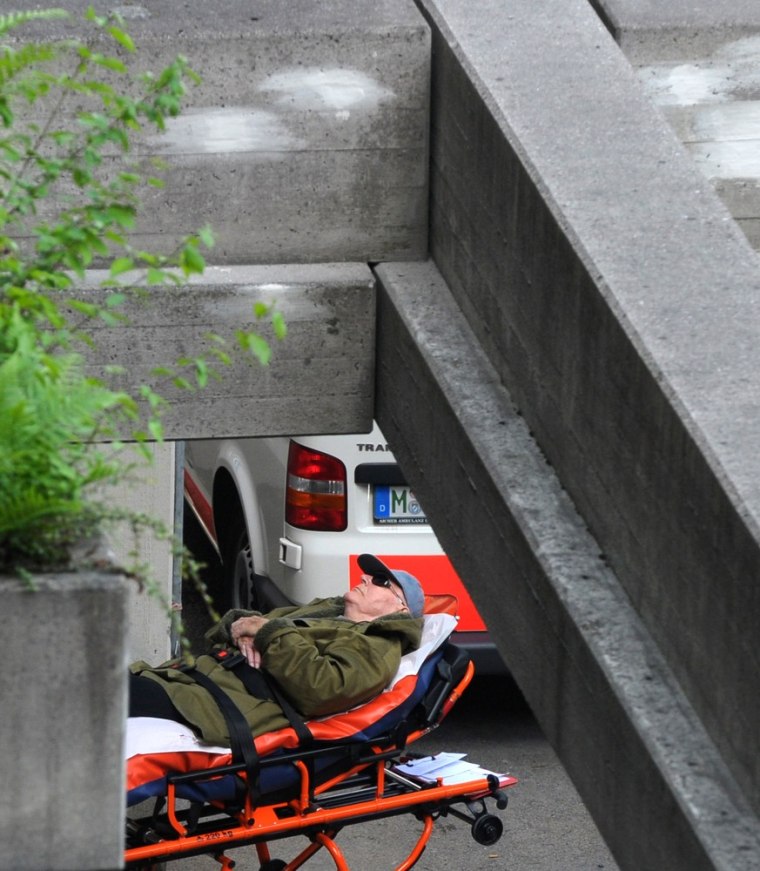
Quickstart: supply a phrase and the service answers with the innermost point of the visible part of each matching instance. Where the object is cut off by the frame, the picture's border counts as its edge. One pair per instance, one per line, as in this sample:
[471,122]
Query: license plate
[397,505]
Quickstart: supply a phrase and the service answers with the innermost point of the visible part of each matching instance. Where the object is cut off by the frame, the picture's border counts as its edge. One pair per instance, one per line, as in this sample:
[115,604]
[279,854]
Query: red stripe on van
[200,505]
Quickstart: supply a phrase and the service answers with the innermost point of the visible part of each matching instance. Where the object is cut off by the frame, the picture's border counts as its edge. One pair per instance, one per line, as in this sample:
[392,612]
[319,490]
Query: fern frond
[31,509]
[35,531]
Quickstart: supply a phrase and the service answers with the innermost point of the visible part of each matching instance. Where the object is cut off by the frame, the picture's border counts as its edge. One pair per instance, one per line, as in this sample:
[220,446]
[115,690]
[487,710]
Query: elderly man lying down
[320,658]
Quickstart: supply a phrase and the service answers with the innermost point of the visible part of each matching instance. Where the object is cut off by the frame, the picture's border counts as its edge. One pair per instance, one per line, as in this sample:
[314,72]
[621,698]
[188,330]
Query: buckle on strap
[227,659]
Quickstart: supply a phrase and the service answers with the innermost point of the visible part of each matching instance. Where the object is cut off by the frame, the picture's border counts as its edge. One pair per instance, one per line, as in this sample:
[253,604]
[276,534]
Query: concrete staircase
[699,66]
[566,357]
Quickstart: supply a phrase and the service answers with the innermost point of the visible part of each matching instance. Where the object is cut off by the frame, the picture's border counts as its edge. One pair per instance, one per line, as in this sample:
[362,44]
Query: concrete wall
[321,373]
[306,140]
[596,679]
[619,303]
[150,491]
[679,26]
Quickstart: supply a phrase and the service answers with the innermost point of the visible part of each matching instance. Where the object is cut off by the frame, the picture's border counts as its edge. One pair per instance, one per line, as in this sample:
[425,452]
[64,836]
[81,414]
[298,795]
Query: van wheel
[239,577]
[243,579]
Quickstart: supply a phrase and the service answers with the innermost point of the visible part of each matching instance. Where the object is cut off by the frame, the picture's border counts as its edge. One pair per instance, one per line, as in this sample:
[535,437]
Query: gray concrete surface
[681,26]
[618,301]
[546,826]
[699,66]
[605,285]
[63,690]
[601,689]
[320,377]
[306,140]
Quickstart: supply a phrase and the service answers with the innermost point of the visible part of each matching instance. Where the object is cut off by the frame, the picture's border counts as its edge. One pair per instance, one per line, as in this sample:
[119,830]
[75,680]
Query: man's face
[368,600]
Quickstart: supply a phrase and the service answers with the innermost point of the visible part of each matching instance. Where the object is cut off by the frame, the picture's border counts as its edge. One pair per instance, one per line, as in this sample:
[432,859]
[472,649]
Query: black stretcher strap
[261,685]
[241,739]
[305,738]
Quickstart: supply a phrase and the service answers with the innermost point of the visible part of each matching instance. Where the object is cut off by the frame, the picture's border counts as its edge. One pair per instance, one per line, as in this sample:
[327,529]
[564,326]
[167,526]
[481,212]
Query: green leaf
[153,399]
[120,214]
[255,345]
[91,15]
[206,235]
[156,276]
[222,357]
[280,327]
[111,319]
[122,37]
[108,63]
[191,260]
[81,175]
[201,372]
[85,308]
[156,429]
[121,265]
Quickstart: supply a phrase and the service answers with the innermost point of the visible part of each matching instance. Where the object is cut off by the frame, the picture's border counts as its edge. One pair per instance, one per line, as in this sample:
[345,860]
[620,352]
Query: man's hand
[243,633]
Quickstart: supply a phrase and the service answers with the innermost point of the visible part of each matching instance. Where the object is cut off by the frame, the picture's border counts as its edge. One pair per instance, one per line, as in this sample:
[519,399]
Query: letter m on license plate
[396,505]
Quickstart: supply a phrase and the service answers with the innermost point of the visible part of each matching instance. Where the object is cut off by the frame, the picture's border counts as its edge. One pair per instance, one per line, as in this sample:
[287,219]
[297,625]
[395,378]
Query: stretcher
[355,767]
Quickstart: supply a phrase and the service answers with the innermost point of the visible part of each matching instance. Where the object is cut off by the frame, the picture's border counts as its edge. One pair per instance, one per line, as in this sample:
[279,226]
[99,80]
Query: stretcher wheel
[273,865]
[487,829]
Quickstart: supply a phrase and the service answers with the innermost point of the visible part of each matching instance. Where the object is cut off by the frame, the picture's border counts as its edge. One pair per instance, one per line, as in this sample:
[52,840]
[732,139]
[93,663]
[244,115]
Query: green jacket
[322,662]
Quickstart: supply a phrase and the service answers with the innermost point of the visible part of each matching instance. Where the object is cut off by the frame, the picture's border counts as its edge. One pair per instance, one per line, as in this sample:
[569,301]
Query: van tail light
[316,492]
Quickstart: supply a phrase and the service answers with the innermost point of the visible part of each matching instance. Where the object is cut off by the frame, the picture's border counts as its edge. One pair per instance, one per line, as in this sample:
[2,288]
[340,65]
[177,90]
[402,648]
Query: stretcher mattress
[156,748]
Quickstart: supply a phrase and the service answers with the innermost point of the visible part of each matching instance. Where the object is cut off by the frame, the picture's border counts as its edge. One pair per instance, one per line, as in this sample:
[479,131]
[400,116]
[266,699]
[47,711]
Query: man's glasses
[382,581]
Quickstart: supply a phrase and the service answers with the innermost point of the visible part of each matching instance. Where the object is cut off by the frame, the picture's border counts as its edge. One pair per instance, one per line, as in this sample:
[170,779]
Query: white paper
[427,764]
[449,768]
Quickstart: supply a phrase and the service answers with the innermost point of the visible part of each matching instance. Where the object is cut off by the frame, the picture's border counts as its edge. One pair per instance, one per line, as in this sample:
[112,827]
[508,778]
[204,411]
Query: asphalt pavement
[546,826]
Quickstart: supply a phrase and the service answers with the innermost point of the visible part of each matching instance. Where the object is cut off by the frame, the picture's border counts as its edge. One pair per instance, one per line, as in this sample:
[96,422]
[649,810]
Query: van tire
[238,572]
[243,585]
[237,565]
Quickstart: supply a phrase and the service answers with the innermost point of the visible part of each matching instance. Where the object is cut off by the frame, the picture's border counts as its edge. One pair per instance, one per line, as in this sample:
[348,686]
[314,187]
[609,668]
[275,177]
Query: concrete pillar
[150,491]
[63,690]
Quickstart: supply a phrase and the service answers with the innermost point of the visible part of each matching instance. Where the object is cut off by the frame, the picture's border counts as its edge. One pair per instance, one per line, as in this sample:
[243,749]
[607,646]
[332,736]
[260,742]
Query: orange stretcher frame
[366,788]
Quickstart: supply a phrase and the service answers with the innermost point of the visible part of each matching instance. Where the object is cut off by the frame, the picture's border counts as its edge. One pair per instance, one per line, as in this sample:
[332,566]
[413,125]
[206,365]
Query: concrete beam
[319,379]
[307,138]
[619,302]
[600,687]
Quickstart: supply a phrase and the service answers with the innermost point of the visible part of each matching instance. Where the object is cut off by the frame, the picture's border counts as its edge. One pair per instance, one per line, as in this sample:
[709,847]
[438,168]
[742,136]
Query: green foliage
[49,411]
[70,192]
